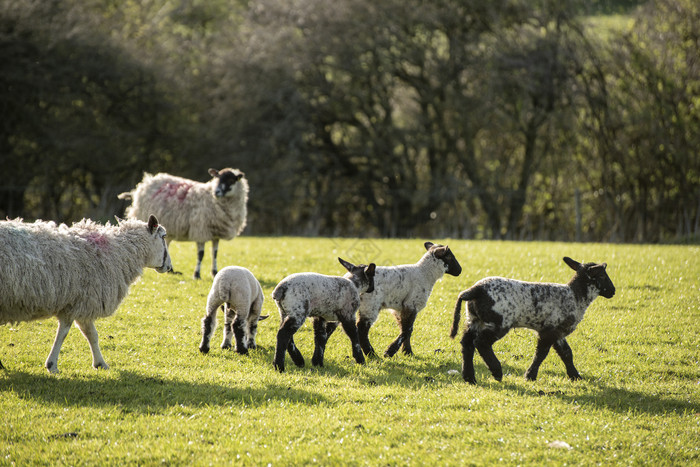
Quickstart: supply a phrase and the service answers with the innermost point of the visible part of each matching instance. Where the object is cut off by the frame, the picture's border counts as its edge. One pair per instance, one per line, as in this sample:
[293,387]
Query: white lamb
[404,290]
[77,273]
[240,297]
[495,305]
[194,211]
[326,299]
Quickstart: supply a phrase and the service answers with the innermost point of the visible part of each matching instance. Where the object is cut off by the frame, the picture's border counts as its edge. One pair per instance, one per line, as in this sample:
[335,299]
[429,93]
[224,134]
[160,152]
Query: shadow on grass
[135,392]
[611,398]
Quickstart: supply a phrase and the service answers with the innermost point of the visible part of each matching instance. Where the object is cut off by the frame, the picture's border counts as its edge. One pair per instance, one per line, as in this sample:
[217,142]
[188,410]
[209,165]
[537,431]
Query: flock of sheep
[83,272]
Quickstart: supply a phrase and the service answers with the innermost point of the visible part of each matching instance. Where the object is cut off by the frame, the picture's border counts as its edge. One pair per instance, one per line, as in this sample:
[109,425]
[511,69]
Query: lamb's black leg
[351,330]
[564,351]
[230,315]
[407,330]
[293,351]
[484,344]
[544,343]
[320,339]
[468,355]
[330,328]
[284,339]
[363,326]
[239,334]
[394,346]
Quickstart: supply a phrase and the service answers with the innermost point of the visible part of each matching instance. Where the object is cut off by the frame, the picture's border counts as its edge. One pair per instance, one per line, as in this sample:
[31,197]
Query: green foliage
[163,402]
[355,117]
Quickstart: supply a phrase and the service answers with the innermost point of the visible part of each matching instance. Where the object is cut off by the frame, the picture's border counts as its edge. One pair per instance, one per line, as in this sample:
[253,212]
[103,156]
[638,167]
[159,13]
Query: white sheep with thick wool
[240,296]
[78,273]
[193,211]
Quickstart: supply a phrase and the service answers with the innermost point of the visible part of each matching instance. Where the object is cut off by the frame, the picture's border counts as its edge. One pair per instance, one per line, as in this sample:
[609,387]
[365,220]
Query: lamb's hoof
[225,346]
[279,367]
[101,366]
[530,376]
[575,377]
[242,351]
[177,273]
[408,353]
[52,367]
[469,379]
[204,350]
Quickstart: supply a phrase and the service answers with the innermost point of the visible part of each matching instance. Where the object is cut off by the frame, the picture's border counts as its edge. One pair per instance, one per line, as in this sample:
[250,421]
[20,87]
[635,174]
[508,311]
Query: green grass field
[162,402]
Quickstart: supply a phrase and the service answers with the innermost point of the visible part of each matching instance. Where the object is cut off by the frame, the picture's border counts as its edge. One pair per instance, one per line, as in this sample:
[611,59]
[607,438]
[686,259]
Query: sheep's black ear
[240,175]
[152,223]
[346,264]
[441,252]
[213,172]
[370,270]
[575,265]
[428,245]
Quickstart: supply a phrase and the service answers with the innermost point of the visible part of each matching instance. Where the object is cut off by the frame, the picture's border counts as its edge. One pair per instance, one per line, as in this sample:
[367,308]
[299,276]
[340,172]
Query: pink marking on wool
[170,190]
[97,239]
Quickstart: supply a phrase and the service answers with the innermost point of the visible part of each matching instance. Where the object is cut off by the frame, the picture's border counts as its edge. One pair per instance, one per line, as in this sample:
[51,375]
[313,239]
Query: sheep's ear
[605,265]
[575,265]
[213,172]
[152,223]
[346,264]
[240,175]
[370,270]
[441,251]
[428,245]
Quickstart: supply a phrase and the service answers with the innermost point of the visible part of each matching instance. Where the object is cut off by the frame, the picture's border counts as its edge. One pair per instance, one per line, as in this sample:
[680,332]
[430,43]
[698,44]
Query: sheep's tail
[126,195]
[462,297]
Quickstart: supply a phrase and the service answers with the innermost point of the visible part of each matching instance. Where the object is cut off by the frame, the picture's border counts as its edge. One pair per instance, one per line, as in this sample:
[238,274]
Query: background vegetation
[479,119]
[162,402]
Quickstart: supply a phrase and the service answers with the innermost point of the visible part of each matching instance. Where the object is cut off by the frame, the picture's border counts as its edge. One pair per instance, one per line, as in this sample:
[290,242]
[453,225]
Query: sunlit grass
[164,402]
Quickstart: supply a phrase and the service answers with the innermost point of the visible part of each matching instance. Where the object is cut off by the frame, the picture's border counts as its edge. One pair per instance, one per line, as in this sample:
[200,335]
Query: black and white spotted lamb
[404,290]
[325,298]
[496,305]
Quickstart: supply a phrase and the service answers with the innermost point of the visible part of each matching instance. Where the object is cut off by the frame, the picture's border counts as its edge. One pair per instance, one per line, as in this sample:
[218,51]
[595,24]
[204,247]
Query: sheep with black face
[495,305]
[77,274]
[194,211]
